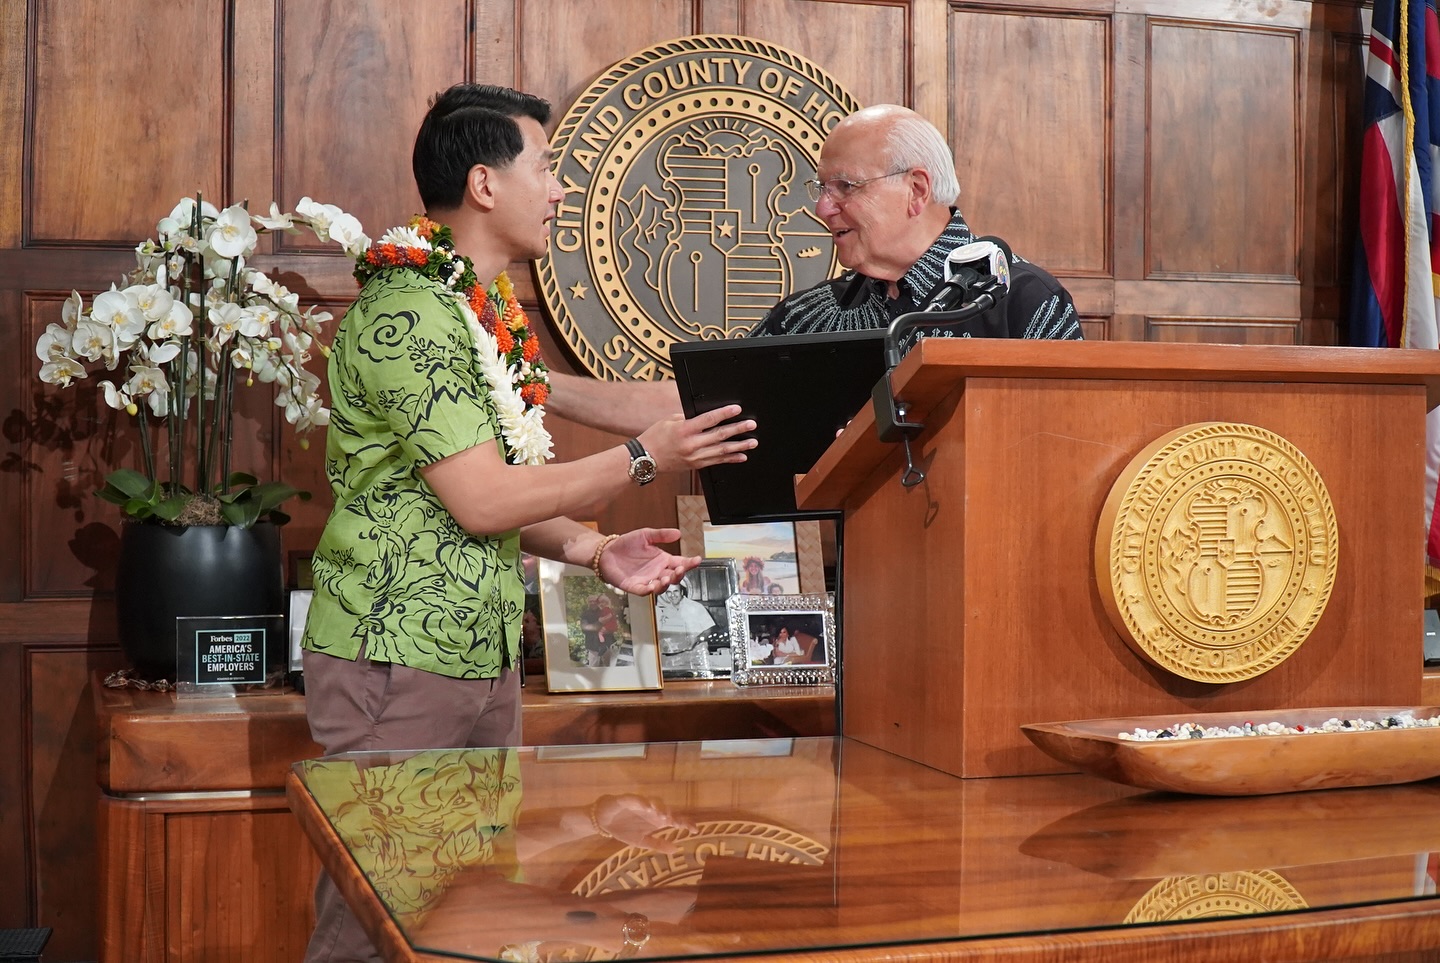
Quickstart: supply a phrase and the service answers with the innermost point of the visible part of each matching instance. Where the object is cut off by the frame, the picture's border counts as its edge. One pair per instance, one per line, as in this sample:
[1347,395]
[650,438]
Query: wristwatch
[642,466]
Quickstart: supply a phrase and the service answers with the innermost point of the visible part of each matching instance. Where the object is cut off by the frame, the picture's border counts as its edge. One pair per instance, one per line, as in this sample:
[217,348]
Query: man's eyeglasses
[840,189]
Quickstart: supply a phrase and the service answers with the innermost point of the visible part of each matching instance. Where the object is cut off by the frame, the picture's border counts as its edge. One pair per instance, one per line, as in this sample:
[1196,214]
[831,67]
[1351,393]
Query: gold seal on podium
[1216,551]
[1216,894]
[685,215]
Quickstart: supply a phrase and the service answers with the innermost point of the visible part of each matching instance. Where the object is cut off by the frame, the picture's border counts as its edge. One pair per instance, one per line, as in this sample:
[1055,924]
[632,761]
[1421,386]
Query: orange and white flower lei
[506,350]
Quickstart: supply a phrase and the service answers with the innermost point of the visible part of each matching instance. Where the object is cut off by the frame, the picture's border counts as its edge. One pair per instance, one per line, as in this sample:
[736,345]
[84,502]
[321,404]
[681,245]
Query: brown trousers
[363,705]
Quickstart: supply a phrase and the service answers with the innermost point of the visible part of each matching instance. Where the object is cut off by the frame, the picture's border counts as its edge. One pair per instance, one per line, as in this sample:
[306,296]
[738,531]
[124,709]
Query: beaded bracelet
[600,831]
[600,550]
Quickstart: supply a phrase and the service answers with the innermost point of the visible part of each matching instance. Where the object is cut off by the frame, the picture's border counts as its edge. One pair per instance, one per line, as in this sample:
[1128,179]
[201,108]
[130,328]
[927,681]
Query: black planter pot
[165,572]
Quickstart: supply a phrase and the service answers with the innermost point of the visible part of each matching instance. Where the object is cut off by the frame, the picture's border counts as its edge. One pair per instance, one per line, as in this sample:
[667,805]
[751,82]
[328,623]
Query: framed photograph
[532,635]
[772,558]
[746,748]
[590,753]
[299,611]
[693,625]
[300,575]
[596,637]
[783,639]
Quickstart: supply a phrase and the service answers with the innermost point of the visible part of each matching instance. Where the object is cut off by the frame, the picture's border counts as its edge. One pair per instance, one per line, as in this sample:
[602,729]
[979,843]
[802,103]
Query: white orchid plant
[192,319]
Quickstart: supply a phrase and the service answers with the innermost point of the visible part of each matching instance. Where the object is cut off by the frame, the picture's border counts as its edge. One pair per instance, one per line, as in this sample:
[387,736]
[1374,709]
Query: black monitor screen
[799,389]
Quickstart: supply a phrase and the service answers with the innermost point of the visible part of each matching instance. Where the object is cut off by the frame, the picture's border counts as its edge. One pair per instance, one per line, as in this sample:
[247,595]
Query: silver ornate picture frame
[783,639]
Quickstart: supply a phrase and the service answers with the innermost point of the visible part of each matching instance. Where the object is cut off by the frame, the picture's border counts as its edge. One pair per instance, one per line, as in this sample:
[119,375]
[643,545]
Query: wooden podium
[971,605]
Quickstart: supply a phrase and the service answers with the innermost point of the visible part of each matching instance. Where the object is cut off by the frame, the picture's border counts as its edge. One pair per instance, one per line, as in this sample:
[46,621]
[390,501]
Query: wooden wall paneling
[13,99]
[1220,97]
[930,80]
[62,792]
[14,355]
[1033,145]
[717,16]
[1094,298]
[345,132]
[1334,88]
[70,440]
[1221,298]
[15,440]
[252,121]
[1130,176]
[17,897]
[108,145]
[552,63]
[495,43]
[1223,330]
[869,56]
[1208,299]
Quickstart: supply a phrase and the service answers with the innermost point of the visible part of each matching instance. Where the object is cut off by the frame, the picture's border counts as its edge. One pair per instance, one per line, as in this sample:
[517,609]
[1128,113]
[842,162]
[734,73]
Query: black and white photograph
[782,639]
[692,623]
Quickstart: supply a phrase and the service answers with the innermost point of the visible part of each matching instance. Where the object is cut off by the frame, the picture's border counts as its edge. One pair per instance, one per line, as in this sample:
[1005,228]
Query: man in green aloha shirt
[436,453]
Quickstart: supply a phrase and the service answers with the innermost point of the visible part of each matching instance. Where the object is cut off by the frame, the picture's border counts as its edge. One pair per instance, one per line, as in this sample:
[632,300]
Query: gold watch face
[1217,551]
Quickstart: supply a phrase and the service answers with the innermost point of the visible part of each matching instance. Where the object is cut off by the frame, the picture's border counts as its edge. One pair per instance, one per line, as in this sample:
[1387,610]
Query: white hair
[915,143]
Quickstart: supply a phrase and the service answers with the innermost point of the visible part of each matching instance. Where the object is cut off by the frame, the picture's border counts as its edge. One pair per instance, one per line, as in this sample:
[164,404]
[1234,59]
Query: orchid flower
[190,312]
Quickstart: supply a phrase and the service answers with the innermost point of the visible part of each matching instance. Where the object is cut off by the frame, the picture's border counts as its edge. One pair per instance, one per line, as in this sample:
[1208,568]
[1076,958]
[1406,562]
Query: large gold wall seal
[1216,551]
[1216,894]
[685,215]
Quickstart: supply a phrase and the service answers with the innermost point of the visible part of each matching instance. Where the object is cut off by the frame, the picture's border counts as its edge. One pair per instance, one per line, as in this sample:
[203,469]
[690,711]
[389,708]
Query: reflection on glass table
[717,849]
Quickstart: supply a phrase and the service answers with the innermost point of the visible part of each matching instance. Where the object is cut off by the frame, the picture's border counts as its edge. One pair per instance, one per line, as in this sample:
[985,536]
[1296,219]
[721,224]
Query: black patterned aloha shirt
[394,570]
[1038,306]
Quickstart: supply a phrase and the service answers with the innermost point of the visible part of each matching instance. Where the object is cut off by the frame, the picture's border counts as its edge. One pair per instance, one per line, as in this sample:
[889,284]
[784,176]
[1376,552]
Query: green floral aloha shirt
[413,826]
[393,569]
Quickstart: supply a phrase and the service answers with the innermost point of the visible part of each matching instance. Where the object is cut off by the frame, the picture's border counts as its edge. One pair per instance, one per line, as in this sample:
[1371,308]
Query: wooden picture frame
[783,639]
[597,638]
[808,564]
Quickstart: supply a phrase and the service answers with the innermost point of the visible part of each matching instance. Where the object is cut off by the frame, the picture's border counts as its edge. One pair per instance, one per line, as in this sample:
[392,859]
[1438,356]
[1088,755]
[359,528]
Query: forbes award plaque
[222,655]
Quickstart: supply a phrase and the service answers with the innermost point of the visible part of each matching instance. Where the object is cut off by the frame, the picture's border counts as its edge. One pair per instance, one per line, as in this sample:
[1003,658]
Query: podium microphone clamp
[891,417]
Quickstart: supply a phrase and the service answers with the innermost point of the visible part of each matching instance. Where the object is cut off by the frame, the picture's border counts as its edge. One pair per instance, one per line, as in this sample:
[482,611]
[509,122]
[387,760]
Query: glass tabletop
[698,849]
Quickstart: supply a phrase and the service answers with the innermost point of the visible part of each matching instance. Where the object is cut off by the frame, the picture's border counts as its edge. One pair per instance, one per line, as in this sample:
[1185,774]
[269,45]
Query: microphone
[977,277]
[972,271]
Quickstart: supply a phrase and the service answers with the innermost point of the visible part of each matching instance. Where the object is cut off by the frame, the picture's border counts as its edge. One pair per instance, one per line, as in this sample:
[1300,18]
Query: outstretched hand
[636,820]
[635,563]
[678,444]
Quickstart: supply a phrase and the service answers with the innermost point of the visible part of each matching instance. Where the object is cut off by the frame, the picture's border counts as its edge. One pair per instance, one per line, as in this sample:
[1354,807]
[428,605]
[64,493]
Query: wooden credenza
[200,859]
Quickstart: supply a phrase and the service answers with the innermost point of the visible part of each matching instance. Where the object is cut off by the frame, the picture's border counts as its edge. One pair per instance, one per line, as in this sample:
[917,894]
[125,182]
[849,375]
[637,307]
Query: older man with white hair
[886,189]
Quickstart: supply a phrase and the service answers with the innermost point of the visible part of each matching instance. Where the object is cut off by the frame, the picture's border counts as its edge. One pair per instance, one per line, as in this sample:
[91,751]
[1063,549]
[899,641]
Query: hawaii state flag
[1395,285]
